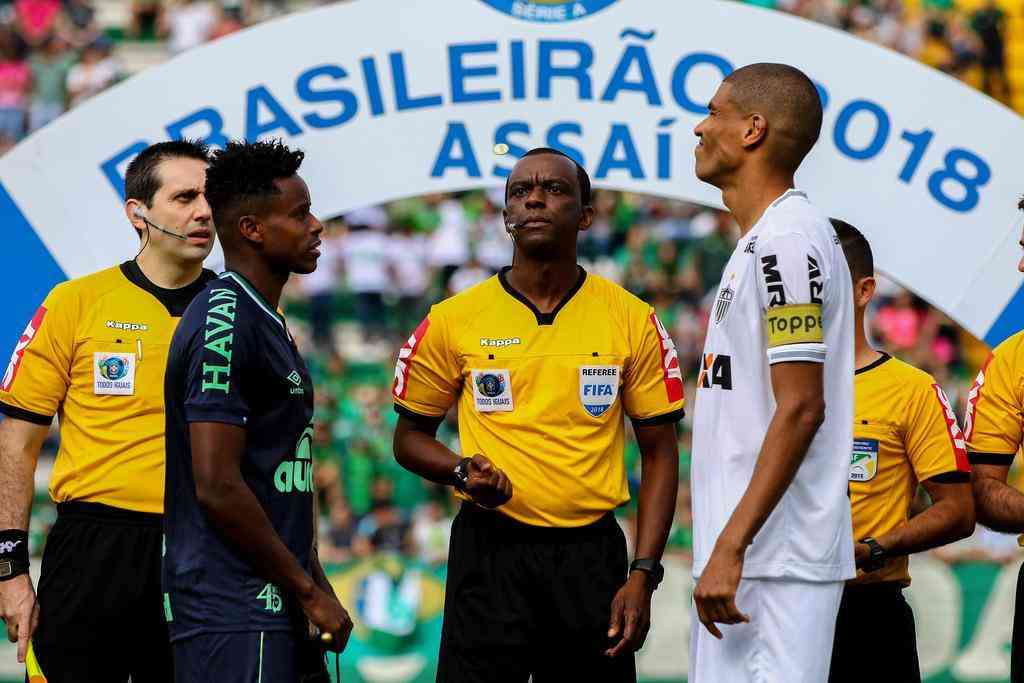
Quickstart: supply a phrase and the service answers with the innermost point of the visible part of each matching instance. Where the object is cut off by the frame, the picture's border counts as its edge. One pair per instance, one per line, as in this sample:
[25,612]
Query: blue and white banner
[391,98]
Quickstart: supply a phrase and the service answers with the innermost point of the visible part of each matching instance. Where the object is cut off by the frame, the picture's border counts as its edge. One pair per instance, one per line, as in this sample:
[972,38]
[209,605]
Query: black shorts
[248,657]
[523,600]
[1017,644]
[875,622]
[101,616]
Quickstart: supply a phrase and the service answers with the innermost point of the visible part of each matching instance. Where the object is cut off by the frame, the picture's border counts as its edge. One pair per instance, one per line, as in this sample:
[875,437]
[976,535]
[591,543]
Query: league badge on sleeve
[864,464]
[113,374]
[492,391]
[599,385]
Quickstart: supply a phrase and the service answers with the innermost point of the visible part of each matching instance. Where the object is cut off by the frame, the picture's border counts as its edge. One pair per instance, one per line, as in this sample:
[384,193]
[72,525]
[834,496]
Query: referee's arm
[20,442]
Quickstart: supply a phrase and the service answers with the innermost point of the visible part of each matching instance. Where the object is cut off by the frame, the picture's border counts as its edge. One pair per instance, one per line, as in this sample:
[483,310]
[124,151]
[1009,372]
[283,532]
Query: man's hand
[327,614]
[861,554]
[20,611]
[715,594]
[631,615]
[487,485]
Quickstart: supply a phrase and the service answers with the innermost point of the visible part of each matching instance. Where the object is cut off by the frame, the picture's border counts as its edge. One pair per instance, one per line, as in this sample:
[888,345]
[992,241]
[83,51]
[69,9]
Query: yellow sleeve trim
[794,324]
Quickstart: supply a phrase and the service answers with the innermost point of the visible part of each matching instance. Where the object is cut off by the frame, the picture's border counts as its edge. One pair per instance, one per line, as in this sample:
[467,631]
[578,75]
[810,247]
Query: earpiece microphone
[511,229]
[140,214]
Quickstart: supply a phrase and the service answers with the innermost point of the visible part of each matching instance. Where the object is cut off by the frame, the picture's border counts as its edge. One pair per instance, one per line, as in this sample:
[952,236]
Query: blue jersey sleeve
[218,355]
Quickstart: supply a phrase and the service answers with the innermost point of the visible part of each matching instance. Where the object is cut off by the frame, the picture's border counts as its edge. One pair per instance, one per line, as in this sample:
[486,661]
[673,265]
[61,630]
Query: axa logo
[19,349]
[405,355]
[715,371]
[773,280]
[548,11]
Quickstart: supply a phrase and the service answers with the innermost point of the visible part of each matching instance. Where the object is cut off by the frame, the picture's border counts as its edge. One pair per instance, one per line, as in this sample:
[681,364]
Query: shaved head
[790,103]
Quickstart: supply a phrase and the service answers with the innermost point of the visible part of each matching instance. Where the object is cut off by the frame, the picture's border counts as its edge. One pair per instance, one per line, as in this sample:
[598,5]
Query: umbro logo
[296,379]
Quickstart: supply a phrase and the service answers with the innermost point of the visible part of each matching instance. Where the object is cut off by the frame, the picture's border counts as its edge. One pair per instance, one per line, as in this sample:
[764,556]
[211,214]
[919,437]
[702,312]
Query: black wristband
[13,553]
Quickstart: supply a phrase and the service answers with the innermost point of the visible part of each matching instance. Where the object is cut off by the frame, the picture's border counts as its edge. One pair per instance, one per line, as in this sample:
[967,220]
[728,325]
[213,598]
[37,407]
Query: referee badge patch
[113,374]
[492,391]
[864,464]
[599,385]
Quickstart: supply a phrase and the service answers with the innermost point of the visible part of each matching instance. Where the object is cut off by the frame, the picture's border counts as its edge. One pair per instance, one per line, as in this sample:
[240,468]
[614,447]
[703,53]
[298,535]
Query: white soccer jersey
[785,296]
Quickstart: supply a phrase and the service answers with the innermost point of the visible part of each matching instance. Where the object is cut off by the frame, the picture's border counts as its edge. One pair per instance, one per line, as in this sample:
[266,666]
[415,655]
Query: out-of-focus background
[384,530]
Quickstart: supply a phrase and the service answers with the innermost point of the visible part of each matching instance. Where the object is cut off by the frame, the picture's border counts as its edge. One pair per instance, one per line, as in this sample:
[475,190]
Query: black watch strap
[876,558]
[655,572]
[460,475]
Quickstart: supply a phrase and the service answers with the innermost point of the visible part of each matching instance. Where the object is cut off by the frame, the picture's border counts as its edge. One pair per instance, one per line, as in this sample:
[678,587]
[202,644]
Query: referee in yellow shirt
[544,362]
[904,434]
[94,356]
[994,424]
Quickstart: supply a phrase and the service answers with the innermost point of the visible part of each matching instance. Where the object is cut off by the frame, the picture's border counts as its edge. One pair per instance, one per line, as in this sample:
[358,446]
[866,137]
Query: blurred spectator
[711,253]
[36,19]
[320,285]
[898,323]
[410,275]
[228,22]
[96,71]
[449,245]
[79,23]
[385,528]
[147,18]
[50,68]
[364,252]
[470,273]
[15,83]
[989,23]
[188,24]
[431,531]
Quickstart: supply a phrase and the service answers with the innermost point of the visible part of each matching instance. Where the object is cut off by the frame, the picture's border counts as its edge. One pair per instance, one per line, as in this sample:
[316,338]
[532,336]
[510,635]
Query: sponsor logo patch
[113,374]
[864,463]
[794,324]
[128,327]
[492,391]
[599,385]
[548,11]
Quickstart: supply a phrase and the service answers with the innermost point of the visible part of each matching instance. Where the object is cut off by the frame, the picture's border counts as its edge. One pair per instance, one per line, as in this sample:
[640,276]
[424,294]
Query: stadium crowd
[54,54]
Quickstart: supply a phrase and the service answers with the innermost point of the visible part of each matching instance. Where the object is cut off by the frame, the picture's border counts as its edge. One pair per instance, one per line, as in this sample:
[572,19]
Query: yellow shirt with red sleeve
[94,355]
[544,396]
[904,432]
[994,419]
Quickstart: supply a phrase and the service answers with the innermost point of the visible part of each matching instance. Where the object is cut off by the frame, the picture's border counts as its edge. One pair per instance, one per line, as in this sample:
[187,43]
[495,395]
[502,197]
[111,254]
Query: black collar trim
[174,300]
[542,318]
[874,364]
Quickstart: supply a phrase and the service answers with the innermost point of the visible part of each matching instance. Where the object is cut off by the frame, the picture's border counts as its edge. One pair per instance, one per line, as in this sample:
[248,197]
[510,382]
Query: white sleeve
[791,287]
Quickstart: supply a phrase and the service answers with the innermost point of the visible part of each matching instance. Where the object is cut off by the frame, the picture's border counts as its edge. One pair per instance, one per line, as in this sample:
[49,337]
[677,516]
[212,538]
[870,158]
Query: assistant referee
[94,355]
[544,360]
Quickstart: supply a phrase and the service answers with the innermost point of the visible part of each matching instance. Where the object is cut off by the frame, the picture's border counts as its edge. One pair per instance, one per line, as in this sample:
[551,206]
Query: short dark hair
[790,101]
[857,249]
[582,177]
[243,173]
[1020,204]
[142,181]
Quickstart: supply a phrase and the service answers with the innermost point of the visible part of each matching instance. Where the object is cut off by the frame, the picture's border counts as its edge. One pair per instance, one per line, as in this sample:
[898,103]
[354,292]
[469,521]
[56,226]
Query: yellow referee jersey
[94,355]
[904,432]
[994,421]
[544,395]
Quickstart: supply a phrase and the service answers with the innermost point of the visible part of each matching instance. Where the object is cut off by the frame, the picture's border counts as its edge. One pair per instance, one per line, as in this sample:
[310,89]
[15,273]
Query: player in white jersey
[773,420]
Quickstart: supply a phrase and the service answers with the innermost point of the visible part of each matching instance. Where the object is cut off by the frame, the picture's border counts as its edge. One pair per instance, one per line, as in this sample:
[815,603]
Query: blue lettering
[307,93]
[610,159]
[369,67]
[547,71]
[280,118]
[682,72]
[554,140]
[664,139]
[459,72]
[402,99]
[110,166]
[457,136]
[822,94]
[843,123]
[634,54]
[208,115]
[518,70]
[501,136]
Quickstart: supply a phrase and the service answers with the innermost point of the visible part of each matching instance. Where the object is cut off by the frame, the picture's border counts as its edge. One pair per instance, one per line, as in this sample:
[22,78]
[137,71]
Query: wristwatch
[876,557]
[460,475]
[655,572]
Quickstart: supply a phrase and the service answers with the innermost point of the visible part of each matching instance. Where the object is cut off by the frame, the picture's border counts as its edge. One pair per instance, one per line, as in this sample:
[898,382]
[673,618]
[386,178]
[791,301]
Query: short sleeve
[652,383]
[217,358]
[427,375]
[933,440]
[791,287]
[39,372]
[994,412]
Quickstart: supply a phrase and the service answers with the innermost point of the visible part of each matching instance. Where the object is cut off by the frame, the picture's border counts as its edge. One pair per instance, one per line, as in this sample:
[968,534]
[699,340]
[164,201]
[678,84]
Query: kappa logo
[128,327]
[508,341]
[549,11]
[9,546]
[19,349]
[773,280]
[715,371]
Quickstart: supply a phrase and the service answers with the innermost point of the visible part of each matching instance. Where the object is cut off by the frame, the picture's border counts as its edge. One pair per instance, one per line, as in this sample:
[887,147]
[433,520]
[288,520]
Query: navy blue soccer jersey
[233,361]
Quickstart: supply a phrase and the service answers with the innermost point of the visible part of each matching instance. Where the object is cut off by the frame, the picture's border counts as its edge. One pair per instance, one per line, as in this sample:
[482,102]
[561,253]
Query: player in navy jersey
[241,576]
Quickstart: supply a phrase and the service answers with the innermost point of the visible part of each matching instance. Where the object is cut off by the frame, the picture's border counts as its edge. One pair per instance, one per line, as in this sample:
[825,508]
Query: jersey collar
[873,364]
[174,300]
[254,295]
[787,194]
[542,318]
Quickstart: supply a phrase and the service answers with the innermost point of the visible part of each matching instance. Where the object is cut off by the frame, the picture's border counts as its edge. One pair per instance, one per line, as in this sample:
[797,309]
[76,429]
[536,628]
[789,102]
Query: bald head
[787,98]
